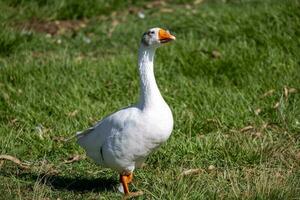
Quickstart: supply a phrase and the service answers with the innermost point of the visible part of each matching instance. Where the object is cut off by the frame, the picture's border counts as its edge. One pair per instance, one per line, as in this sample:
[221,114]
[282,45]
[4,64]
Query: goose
[123,140]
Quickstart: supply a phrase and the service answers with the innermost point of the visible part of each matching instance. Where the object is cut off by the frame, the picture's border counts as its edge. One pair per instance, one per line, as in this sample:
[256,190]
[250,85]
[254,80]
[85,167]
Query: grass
[232,59]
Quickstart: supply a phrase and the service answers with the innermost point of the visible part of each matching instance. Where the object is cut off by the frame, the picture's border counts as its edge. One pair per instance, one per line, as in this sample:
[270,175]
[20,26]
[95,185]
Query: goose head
[155,37]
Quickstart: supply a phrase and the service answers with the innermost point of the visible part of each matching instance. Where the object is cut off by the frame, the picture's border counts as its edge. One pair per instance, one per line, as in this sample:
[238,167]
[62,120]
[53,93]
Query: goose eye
[151,32]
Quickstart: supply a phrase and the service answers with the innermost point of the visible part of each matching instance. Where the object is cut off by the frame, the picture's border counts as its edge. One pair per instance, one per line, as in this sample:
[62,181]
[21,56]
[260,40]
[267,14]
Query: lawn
[232,80]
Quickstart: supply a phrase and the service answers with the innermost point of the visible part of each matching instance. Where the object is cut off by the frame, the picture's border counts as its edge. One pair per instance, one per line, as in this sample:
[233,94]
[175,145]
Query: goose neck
[149,94]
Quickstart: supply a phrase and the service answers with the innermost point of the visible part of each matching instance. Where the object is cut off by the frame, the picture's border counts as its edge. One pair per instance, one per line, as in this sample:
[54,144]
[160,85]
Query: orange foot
[125,179]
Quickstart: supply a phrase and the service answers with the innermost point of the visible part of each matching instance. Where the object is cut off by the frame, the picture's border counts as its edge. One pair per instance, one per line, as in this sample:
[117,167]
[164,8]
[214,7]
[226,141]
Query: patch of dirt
[53,27]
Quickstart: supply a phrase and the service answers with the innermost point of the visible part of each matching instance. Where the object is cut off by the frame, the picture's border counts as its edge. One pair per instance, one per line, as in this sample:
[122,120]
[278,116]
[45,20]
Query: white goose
[124,139]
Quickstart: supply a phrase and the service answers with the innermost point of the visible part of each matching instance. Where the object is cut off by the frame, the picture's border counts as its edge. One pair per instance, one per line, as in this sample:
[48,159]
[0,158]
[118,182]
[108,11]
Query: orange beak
[165,36]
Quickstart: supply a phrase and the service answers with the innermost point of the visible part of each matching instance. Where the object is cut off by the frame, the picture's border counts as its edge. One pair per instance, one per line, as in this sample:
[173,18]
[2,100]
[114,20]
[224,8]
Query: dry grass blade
[298,156]
[59,139]
[191,172]
[166,10]
[1,163]
[132,195]
[73,113]
[264,126]
[257,134]
[253,131]
[50,170]
[215,121]
[211,167]
[216,54]
[268,93]
[286,93]
[46,168]
[257,111]
[155,4]
[247,128]
[114,24]
[14,160]
[292,90]
[197,2]
[72,159]
[276,105]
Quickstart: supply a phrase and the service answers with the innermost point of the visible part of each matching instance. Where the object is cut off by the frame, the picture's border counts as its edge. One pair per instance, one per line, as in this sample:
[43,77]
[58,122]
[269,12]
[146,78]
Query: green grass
[53,86]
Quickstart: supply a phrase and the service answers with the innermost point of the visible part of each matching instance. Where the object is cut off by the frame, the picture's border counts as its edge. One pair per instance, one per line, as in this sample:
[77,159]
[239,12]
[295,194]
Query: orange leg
[130,177]
[125,180]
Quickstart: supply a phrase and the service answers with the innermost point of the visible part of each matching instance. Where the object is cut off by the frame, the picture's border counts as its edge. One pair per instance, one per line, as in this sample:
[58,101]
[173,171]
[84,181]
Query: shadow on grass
[75,184]
[78,184]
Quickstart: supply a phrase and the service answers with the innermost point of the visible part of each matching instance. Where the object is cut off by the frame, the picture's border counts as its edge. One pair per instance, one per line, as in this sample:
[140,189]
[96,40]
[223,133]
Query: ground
[231,78]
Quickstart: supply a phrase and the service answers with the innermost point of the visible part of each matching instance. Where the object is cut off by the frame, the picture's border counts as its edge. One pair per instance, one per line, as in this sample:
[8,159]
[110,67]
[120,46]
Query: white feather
[124,139]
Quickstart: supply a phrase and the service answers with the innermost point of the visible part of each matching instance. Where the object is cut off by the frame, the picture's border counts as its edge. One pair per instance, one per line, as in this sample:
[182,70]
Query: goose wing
[93,138]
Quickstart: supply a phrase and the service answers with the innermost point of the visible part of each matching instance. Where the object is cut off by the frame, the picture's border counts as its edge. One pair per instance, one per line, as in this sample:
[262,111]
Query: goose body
[124,139]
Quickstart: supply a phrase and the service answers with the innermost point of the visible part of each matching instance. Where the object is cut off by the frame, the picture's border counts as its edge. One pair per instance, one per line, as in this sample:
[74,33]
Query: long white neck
[149,94]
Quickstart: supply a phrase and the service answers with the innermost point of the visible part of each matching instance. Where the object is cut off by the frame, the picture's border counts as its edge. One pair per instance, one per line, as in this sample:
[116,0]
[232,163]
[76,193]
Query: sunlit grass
[234,65]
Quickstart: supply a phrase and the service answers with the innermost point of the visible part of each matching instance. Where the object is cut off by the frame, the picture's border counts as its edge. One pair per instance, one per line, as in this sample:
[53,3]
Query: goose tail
[79,134]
